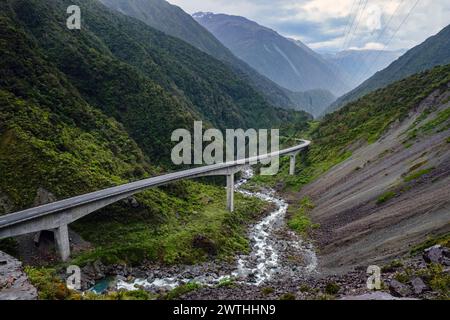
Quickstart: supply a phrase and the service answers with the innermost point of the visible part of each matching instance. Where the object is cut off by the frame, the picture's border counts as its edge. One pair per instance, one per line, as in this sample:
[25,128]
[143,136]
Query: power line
[362,4]
[359,18]
[392,37]
[351,18]
[380,35]
[336,67]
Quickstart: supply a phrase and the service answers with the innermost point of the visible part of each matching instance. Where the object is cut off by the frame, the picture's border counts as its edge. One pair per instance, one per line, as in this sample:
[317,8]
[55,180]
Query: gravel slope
[355,229]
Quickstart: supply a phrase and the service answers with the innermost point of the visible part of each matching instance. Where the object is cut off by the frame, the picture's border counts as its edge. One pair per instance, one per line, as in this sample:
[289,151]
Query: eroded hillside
[389,195]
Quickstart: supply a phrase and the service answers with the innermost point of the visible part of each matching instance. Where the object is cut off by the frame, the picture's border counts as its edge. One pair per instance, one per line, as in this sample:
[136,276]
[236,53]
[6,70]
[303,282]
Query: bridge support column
[292,164]
[62,241]
[230,192]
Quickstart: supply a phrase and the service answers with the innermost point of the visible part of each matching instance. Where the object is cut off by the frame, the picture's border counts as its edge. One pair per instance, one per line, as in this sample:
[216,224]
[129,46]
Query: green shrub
[417,175]
[288,296]
[395,264]
[305,288]
[226,282]
[385,197]
[267,290]
[443,240]
[299,221]
[49,286]
[182,290]
[402,277]
[332,288]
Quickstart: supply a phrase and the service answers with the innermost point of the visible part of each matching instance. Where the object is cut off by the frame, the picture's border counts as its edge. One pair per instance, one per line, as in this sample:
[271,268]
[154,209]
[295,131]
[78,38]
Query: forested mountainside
[173,21]
[290,65]
[98,107]
[432,52]
[119,64]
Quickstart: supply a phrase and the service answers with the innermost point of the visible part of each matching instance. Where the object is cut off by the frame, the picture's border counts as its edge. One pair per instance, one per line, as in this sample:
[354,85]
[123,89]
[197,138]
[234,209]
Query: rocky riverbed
[280,266]
[276,253]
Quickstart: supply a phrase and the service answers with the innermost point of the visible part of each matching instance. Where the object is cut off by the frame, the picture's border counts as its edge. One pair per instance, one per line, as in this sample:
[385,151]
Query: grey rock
[43,197]
[435,254]
[134,203]
[14,283]
[6,205]
[399,289]
[418,285]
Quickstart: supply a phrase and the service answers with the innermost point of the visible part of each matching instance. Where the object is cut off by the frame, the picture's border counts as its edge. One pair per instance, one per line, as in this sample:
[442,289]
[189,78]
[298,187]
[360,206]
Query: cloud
[325,24]
[370,46]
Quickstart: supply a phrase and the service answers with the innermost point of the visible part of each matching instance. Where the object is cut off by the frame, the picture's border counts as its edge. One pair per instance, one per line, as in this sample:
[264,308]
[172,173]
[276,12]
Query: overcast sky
[324,24]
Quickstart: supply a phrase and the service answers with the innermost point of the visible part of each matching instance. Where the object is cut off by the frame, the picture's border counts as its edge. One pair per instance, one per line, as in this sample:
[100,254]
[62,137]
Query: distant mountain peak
[432,52]
[289,64]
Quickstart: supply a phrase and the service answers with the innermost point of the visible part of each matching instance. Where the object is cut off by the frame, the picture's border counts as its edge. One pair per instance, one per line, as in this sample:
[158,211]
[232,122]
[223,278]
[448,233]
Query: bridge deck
[59,206]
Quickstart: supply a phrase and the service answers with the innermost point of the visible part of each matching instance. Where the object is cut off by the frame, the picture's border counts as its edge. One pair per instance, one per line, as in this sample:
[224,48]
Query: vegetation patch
[443,240]
[182,290]
[305,288]
[391,267]
[417,166]
[385,197]
[267,290]
[288,296]
[49,285]
[299,220]
[174,231]
[436,123]
[332,288]
[226,283]
[438,280]
[417,175]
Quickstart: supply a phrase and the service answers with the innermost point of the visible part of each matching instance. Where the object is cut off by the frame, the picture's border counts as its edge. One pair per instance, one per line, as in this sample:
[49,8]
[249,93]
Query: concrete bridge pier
[230,192]
[62,241]
[292,164]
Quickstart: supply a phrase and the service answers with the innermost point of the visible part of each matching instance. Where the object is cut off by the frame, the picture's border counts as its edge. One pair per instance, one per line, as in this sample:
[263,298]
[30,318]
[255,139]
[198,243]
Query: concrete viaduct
[58,215]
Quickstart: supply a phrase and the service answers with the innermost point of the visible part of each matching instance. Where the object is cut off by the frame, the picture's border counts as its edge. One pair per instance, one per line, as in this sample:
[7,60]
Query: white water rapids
[264,262]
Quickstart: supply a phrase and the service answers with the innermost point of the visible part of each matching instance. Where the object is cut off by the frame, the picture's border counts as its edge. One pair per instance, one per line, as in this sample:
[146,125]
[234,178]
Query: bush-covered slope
[141,76]
[49,136]
[74,118]
[362,121]
[433,52]
[288,64]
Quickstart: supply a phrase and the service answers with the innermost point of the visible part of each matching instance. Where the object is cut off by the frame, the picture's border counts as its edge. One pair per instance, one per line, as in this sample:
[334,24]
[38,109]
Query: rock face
[437,254]
[398,289]
[6,205]
[418,286]
[43,197]
[14,283]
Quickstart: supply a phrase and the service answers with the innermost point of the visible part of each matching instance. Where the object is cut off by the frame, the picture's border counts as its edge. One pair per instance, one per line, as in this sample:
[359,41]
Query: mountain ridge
[432,52]
[173,21]
[273,55]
